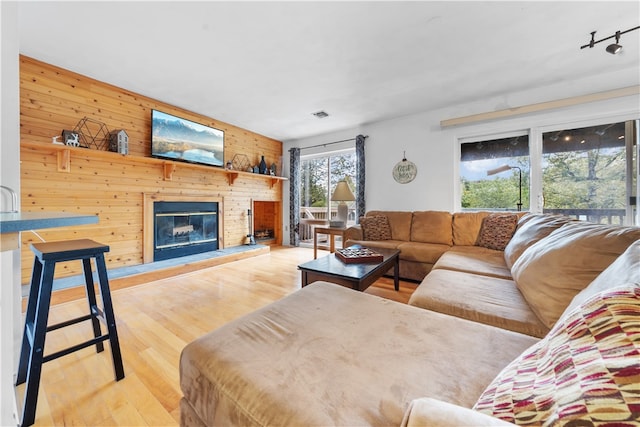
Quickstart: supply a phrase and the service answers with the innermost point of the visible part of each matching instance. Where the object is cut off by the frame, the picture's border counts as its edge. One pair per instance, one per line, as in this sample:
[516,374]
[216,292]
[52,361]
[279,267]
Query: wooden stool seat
[32,351]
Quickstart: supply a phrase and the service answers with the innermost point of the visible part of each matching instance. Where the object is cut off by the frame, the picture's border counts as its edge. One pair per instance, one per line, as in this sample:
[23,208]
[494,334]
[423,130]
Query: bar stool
[32,352]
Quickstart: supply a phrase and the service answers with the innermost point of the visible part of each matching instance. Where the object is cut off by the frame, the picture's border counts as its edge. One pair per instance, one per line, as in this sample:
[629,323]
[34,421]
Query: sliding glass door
[589,172]
[320,173]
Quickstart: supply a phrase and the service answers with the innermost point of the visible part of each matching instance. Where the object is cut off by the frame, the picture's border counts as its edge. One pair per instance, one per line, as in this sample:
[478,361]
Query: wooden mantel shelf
[65,153]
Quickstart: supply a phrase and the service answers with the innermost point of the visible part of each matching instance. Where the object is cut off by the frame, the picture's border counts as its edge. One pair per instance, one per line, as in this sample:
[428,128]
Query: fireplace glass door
[180,229]
[184,228]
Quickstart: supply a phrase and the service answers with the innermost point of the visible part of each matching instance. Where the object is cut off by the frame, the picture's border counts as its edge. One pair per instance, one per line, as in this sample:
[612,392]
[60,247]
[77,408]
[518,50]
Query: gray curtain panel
[294,196]
[360,202]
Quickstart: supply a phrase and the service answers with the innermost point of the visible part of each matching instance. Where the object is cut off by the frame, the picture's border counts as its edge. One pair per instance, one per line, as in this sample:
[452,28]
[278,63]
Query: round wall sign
[404,171]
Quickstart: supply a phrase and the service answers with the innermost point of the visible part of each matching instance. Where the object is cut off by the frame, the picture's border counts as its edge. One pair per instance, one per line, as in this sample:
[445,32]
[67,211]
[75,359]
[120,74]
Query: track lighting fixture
[613,48]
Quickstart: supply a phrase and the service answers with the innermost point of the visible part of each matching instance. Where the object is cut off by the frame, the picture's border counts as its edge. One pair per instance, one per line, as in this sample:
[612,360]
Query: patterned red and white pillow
[585,372]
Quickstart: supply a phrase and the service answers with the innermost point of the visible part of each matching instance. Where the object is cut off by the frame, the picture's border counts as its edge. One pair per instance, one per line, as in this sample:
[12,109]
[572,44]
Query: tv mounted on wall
[176,138]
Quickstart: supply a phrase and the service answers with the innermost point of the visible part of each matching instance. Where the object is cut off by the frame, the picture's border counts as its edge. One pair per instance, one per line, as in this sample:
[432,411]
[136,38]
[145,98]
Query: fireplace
[184,228]
[266,221]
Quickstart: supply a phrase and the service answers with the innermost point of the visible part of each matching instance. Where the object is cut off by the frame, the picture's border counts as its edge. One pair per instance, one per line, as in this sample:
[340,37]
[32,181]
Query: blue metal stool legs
[32,352]
[109,317]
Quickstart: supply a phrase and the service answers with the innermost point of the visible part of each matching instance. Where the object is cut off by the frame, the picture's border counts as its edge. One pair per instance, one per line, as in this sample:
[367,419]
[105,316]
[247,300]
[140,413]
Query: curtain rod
[330,143]
[542,106]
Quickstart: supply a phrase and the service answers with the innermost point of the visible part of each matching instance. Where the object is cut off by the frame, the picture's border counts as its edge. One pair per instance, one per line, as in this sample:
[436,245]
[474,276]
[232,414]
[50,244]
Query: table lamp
[342,194]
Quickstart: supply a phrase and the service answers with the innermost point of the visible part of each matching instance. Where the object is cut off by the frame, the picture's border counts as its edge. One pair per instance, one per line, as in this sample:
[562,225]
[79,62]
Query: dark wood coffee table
[358,276]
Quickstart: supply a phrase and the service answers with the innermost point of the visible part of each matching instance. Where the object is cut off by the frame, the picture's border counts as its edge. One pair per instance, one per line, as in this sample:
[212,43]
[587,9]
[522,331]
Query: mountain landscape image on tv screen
[180,139]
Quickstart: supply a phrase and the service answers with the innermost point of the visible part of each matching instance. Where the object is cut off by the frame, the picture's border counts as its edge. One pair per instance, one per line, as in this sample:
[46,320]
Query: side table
[332,232]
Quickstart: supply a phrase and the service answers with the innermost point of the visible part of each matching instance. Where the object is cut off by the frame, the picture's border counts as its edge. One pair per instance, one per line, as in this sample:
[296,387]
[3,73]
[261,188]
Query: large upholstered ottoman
[327,355]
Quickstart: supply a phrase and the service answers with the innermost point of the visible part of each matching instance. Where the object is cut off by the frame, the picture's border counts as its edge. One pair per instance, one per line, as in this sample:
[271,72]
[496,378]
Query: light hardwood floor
[155,321]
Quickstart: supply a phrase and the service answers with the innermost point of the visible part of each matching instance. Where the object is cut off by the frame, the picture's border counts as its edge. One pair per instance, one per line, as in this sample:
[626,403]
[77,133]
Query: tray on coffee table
[355,254]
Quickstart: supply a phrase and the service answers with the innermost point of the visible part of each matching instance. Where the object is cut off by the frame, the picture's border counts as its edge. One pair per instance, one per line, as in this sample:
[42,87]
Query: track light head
[614,48]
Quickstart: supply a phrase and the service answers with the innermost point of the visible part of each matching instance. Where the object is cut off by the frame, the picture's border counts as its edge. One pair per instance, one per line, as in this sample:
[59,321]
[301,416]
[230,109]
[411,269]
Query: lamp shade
[498,170]
[342,193]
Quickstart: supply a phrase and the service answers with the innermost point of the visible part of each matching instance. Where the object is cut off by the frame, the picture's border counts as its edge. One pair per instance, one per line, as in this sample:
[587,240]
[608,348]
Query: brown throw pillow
[375,227]
[496,231]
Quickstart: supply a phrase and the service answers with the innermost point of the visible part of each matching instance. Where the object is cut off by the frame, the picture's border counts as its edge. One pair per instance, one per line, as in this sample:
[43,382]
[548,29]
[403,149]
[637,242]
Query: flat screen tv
[176,138]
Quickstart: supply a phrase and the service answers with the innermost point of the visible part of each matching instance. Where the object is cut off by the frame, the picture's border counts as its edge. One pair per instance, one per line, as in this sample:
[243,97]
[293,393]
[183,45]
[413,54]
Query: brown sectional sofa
[327,355]
[461,278]
[477,283]
[424,236]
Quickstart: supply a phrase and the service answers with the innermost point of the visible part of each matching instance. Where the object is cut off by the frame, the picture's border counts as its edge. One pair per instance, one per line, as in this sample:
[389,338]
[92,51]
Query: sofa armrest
[354,233]
[436,413]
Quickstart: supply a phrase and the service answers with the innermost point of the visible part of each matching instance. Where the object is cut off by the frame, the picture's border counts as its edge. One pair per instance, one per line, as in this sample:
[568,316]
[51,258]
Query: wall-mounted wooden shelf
[232,175]
[65,154]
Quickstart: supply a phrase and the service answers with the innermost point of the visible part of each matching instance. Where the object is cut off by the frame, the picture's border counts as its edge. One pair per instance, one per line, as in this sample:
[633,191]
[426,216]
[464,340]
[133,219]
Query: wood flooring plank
[145,403]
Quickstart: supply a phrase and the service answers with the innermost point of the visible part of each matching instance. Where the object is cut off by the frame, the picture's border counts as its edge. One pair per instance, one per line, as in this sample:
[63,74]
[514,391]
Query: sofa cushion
[531,228]
[375,227]
[474,259]
[625,269]
[399,221]
[430,412]
[466,227]
[488,300]
[584,372]
[431,227]
[422,252]
[552,271]
[496,231]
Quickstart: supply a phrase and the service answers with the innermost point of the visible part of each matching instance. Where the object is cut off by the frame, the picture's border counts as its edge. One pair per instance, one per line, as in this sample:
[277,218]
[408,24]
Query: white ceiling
[267,66]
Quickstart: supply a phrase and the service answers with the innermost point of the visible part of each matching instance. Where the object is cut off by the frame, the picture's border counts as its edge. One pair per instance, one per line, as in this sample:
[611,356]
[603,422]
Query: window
[584,172]
[589,173]
[494,174]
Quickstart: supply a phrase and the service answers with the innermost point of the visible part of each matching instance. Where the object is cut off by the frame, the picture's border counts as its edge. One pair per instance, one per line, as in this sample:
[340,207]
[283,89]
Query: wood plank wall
[111,185]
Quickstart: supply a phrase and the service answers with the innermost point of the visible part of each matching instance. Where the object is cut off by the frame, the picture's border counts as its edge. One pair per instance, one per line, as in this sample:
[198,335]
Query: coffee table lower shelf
[358,276]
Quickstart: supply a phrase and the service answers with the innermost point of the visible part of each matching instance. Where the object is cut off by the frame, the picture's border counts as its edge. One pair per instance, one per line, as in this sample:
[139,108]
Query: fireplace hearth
[184,228]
